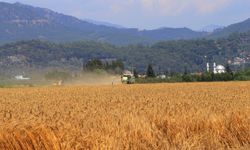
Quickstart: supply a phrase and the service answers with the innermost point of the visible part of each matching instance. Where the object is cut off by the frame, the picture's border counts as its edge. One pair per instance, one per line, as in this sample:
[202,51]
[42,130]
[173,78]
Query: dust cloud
[95,79]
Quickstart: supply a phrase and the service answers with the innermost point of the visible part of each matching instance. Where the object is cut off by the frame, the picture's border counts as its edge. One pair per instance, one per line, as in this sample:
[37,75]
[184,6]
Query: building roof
[220,67]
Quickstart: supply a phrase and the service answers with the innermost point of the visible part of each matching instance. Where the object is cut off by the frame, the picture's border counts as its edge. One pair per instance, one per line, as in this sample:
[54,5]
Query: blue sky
[150,14]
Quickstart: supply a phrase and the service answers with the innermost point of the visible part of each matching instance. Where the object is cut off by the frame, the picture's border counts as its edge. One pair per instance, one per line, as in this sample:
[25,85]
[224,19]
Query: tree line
[229,75]
[113,66]
[169,54]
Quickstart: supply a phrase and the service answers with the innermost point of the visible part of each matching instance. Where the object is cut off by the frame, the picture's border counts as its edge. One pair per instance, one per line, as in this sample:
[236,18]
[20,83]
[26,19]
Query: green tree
[187,78]
[135,73]
[228,69]
[57,75]
[150,71]
[185,70]
[94,64]
[207,76]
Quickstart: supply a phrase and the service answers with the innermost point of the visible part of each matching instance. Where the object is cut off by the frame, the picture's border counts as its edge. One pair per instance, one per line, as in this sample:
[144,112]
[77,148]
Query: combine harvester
[128,77]
[58,83]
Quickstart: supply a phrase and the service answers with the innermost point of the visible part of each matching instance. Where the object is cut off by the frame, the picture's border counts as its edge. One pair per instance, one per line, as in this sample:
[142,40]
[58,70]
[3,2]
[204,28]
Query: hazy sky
[151,13]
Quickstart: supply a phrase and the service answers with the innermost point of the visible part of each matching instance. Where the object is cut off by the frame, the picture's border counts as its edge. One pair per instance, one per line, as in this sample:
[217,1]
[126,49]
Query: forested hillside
[164,56]
[240,27]
[24,22]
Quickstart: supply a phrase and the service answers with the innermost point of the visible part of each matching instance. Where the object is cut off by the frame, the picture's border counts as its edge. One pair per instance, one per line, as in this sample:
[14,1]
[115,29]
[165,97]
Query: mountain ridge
[239,27]
[20,22]
[173,55]
[24,22]
[211,28]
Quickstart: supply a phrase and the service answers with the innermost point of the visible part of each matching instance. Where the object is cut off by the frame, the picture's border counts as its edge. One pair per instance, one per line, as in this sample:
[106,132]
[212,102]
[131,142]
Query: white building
[21,77]
[161,76]
[218,69]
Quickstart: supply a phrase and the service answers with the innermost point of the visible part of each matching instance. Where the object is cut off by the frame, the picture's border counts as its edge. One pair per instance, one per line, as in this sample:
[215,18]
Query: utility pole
[132,68]
[244,62]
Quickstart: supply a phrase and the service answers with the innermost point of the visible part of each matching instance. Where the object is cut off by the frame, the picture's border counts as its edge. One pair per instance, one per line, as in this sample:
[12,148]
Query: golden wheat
[153,116]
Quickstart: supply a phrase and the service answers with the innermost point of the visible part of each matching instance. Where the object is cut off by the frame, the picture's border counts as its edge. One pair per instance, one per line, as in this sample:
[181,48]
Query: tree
[228,69]
[150,71]
[207,77]
[57,75]
[120,64]
[185,70]
[135,73]
[229,73]
[117,66]
[94,64]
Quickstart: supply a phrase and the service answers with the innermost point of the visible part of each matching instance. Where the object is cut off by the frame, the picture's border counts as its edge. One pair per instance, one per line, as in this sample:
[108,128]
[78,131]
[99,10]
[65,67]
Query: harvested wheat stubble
[153,116]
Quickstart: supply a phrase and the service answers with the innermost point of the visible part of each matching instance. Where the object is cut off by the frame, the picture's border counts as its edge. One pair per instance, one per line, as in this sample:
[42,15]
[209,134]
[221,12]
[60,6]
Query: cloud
[206,6]
[162,7]
[165,7]
[155,7]
[175,7]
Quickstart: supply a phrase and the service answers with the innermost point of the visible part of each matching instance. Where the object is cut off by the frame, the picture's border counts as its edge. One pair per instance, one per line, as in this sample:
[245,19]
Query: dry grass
[159,116]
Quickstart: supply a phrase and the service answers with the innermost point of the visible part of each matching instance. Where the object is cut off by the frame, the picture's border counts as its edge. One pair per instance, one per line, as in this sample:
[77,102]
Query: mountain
[210,28]
[24,22]
[234,28]
[165,56]
[103,23]
[31,55]
[165,34]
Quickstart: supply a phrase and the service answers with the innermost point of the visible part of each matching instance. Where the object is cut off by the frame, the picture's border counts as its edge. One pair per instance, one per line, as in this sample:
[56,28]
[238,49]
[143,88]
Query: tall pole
[132,69]
[206,63]
[244,62]
[215,71]
[208,67]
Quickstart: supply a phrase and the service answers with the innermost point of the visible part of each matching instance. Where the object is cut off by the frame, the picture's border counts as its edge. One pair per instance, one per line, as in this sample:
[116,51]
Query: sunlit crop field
[152,116]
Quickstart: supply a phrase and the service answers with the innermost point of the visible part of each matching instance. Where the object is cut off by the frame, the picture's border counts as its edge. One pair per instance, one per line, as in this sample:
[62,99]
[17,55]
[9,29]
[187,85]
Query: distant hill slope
[23,22]
[165,56]
[234,28]
[211,28]
[103,23]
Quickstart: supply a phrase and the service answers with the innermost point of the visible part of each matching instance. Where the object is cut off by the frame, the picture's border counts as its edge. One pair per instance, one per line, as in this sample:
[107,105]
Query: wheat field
[152,116]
